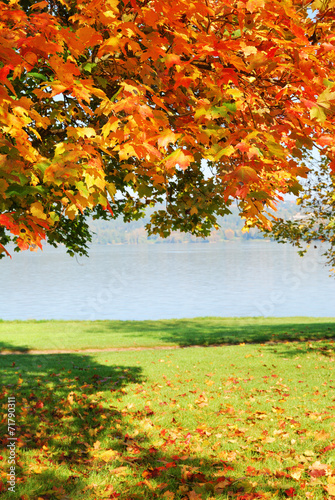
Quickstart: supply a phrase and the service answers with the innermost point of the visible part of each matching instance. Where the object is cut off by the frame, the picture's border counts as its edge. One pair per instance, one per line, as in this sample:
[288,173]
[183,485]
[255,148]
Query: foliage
[317,220]
[109,106]
[133,232]
[241,422]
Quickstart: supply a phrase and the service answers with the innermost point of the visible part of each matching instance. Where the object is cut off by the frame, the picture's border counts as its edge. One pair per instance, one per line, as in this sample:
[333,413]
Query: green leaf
[18,190]
[89,66]
[38,76]
[101,81]
[42,166]
[222,111]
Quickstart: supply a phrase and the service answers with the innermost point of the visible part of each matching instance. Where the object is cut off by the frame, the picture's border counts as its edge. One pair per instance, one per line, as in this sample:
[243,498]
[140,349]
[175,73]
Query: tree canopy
[109,106]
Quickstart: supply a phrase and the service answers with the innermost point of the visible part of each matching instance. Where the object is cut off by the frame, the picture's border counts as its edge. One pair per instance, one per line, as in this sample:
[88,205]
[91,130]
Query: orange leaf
[179,157]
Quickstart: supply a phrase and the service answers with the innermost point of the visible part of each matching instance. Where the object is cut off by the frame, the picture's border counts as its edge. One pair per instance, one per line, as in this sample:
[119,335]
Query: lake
[160,281]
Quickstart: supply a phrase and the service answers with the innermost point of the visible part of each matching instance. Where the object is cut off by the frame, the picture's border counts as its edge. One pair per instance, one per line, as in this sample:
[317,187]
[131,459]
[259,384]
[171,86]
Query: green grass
[233,422]
[41,335]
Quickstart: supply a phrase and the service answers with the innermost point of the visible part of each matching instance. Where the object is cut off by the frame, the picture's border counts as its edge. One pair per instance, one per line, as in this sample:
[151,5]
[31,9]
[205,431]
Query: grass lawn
[39,335]
[234,422]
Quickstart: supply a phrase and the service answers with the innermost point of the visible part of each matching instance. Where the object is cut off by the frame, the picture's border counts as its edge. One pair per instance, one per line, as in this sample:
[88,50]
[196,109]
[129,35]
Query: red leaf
[290,493]
[328,448]
[4,71]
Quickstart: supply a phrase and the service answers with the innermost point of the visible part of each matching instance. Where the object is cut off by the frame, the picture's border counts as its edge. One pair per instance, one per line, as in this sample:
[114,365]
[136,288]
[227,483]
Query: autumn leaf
[107,455]
[254,5]
[246,174]
[178,158]
[330,488]
[290,493]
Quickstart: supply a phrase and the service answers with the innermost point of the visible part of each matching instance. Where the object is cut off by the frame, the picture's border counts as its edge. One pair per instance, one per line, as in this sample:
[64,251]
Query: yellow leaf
[60,149]
[253,5]
[71,211]
[228,151]
[330,488]
[297,474]
[308,453]
[108,455]
[37,469]
[110,126]
[111,189]
[80,132]
[70,398]
[127,151]
[37,210]
[276,149]
[317,113]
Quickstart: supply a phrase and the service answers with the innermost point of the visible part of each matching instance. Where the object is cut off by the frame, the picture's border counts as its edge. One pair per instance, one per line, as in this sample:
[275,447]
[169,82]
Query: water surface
[240,278]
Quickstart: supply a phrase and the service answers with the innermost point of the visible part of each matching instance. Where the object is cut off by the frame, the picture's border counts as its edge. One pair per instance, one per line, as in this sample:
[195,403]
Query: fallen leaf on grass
[330,488]
[120,471]
[106,456]
[168,495]
[221,486]
[192,495]
[37,469]
[96,445]
[318,469]
[290,493]
[322,435]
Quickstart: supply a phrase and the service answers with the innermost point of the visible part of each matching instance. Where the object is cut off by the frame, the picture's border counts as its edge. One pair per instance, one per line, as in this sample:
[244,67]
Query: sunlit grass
[59,335]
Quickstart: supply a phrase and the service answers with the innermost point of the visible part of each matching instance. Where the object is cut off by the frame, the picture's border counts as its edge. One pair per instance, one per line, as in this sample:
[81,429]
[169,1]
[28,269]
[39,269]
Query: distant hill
[117,232]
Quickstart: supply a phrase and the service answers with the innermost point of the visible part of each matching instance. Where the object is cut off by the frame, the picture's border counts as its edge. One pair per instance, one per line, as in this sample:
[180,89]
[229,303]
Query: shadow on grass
[5,347]
[74,443]
[324,348]
[209,331]
[60,414]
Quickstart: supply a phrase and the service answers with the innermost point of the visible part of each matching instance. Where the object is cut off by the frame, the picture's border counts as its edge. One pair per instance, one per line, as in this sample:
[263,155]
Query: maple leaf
[317,469]
[180,158]
[330,488]
[107,455]
[171,60]
[290,493]
[4,71]
[253,5]
[169,495]
[193,495]
[246,174]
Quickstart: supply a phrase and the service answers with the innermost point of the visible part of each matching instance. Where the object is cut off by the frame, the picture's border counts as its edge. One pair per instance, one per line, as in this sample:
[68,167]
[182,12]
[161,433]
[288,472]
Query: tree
[110,106]
[316,221]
